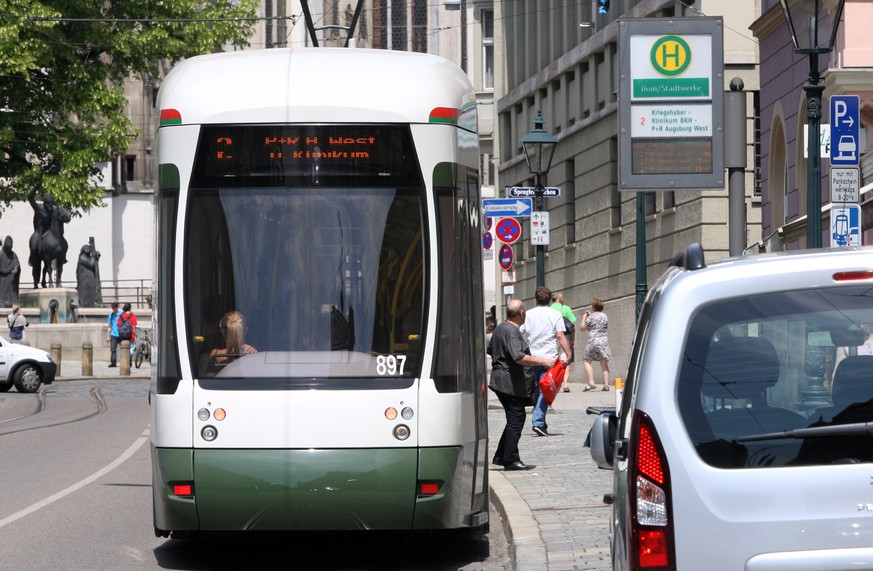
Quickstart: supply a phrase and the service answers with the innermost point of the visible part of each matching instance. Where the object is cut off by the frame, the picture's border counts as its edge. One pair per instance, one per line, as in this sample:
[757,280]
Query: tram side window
[457,204]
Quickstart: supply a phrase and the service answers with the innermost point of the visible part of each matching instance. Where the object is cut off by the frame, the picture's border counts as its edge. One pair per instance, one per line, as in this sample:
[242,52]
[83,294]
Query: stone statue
[10,273]
[47,243]
[86,276]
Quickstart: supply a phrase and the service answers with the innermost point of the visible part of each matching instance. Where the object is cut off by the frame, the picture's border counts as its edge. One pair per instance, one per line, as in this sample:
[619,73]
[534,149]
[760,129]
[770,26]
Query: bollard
[87,359]
[56,355]
[124,358]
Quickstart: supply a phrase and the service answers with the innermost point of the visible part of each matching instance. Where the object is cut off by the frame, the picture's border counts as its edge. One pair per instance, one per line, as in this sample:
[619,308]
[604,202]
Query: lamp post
[539,148]
[811,37]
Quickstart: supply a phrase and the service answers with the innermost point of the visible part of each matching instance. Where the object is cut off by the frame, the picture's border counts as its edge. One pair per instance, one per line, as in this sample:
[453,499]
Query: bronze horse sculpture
[48,247]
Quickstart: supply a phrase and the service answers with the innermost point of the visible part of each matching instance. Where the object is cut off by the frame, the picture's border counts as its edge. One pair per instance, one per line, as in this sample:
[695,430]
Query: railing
[136,292]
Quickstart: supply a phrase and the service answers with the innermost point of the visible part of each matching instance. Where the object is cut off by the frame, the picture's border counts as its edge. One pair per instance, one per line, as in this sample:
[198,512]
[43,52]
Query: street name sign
[548,192]
[507,206]
[845,130]
[845,184]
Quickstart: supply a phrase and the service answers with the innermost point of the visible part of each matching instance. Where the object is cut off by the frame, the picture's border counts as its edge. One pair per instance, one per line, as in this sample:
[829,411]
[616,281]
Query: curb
[527,549]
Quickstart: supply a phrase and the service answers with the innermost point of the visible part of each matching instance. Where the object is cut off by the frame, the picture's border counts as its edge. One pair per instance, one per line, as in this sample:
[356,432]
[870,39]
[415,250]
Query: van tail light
[652,545]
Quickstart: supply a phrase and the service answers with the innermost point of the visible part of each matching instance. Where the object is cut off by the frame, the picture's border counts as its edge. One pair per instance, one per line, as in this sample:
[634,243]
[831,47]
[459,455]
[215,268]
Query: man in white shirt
[544,329]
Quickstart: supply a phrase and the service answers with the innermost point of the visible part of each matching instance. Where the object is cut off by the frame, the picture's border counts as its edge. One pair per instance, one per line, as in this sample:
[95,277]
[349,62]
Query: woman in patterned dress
[597,348]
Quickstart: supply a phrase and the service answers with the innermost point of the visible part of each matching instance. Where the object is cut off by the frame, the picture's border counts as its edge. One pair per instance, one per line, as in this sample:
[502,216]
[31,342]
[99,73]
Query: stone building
[562,58]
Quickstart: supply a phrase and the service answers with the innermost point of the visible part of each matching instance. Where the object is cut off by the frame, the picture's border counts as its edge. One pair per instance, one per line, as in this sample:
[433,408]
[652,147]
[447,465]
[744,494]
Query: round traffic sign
[508,230]
[506,256]
[488,221]
[487,241]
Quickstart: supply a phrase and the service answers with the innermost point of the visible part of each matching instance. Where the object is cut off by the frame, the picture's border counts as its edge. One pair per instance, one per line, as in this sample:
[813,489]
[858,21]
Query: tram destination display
[320,154]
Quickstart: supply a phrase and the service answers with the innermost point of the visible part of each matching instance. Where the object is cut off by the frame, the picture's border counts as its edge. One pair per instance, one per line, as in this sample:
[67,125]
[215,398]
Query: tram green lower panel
[305,489]
[448,508]
[372,489]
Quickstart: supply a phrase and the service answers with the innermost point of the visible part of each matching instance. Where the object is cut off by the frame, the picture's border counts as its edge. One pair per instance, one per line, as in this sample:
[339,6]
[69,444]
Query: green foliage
[63,64]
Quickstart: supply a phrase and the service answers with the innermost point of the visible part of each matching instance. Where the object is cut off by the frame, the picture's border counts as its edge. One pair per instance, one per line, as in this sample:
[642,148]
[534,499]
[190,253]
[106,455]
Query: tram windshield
[305,267]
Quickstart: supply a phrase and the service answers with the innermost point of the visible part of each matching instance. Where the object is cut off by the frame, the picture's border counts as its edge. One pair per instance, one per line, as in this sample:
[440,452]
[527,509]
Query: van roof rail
[691,258]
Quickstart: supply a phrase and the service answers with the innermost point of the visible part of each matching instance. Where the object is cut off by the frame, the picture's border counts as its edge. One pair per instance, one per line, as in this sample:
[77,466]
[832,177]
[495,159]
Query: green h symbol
[666,55]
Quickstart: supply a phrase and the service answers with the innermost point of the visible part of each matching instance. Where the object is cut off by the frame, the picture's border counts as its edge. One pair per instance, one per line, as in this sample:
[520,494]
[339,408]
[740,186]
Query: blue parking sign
[845,130]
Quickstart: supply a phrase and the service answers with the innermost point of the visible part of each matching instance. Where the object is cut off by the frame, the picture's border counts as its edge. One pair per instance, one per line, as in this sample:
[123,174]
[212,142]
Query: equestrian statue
[47,243]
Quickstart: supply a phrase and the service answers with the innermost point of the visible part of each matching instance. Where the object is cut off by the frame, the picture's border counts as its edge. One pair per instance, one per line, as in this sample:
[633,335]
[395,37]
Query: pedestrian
[597,348]
[510,355]
[112,335]
[569,331]
[16,322]
[127,326]
[544,330]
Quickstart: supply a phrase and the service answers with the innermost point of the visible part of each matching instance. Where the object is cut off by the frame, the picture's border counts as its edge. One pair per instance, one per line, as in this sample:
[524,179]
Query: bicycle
[143,349]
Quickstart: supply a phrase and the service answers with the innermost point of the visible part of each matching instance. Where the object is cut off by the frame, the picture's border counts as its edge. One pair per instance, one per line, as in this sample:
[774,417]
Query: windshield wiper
[852,429]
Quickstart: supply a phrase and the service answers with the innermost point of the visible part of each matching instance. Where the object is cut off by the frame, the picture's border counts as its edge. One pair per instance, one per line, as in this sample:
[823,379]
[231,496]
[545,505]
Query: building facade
[845,71]
[562,58]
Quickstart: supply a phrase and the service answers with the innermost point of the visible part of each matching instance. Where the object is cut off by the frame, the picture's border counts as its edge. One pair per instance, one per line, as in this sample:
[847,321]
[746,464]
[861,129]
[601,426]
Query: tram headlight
[391,413]
[219,414]
[209,433]
[203,414]
[401,432]
[407,413]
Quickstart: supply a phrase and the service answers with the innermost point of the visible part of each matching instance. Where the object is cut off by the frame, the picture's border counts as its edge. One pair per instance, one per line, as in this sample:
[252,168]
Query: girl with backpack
[127,326]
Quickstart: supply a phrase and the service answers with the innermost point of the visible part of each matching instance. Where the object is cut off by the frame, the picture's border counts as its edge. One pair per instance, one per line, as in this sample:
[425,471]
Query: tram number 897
[387,365]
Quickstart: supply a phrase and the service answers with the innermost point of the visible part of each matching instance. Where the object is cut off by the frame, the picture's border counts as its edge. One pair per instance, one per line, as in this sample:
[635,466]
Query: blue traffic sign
[845,130]
[487,240]
[845,225]
[505,257]
[507,206]
[508,230]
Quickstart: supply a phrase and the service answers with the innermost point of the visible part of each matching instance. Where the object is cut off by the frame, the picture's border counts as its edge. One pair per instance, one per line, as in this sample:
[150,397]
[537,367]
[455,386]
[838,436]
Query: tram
[319,346]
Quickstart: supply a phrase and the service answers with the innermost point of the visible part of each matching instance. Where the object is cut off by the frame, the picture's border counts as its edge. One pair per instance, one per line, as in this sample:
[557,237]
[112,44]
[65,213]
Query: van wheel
[28,378]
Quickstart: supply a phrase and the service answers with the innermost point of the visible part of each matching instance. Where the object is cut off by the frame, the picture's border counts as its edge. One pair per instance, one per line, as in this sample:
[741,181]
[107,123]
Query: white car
[27,368]
[744,437]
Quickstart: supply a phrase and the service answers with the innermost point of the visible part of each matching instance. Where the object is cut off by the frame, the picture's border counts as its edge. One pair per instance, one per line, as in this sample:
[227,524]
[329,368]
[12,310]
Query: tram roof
[345,85]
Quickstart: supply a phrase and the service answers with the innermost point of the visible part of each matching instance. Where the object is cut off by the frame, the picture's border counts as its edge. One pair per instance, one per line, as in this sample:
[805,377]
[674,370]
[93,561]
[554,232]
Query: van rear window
[762,376]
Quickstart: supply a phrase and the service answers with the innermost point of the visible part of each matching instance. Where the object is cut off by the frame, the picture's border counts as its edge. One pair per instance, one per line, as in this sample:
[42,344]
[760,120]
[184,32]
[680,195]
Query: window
[766,364]
[488,49]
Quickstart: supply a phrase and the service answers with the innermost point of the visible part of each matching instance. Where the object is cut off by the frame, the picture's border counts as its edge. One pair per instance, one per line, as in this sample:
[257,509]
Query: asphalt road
[76,494]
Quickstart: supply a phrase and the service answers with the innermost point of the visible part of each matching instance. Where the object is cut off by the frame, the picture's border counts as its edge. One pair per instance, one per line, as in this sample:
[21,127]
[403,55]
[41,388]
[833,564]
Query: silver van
[743,439]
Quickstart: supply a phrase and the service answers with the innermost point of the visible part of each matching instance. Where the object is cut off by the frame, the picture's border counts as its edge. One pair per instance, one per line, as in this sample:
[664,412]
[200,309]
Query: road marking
[78,485]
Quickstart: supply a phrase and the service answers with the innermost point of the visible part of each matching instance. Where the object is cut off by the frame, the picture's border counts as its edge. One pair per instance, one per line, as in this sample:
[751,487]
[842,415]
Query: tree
[62,68]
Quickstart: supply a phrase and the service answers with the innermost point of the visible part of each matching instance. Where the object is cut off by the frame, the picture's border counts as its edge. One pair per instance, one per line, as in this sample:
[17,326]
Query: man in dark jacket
[510,354]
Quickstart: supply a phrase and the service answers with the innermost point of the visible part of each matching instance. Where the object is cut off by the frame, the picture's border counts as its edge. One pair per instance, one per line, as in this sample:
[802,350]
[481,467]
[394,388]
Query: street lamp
[539,148]
[812,37]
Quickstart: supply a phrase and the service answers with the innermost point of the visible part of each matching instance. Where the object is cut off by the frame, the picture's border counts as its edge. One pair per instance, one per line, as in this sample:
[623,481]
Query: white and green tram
[331,197]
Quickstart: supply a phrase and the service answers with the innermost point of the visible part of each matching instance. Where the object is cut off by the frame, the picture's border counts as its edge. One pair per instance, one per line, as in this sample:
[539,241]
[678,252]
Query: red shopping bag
[550,384]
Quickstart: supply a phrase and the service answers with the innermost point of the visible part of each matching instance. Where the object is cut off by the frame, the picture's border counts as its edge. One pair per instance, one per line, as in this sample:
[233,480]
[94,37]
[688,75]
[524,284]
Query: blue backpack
[125,328]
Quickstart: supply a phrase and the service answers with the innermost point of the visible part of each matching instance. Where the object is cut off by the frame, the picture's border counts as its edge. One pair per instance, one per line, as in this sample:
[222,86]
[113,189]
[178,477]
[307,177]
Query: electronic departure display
[671,156]
[275,155]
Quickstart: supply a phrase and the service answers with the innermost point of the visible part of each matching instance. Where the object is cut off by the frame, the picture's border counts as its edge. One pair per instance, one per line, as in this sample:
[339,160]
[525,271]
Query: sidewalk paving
[554,514]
